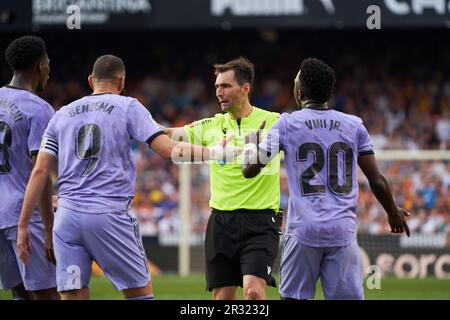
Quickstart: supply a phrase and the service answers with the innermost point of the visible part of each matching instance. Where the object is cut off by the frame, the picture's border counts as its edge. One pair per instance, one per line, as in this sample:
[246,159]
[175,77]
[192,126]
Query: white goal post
[412,154]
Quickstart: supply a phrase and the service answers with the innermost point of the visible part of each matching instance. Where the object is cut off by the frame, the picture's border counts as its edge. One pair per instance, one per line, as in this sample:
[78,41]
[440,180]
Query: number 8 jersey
[321,149]
[23,119]
[91,137]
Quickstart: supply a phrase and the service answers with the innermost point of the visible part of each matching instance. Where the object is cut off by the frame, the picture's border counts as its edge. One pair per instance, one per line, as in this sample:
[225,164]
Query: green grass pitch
[173,287]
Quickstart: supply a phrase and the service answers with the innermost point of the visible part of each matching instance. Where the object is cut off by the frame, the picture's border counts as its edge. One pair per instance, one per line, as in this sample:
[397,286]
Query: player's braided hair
[24,52]
[317,80]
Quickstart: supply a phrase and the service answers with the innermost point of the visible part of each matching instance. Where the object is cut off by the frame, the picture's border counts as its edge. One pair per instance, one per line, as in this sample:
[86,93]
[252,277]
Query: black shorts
[238,243]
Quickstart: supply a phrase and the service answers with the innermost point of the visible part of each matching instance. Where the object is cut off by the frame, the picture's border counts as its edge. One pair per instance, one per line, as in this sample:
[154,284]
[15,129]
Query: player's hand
[49,253]
[223,151]
[251,150]
[24,244]
[255,137]
[397,221]
[55,202]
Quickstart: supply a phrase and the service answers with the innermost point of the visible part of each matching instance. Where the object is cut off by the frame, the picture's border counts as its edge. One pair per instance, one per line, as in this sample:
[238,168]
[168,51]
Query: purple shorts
[38,275]
[339,269]
[111,239]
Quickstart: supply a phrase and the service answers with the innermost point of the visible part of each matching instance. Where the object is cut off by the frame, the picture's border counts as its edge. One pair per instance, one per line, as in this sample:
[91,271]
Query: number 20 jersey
[91,137]
[321,150]
[23,119]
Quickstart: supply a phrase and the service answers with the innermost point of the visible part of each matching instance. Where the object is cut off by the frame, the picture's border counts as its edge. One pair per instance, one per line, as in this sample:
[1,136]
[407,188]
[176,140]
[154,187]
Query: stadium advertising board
[229,14]
[331,13]
[92,14]
[418,257]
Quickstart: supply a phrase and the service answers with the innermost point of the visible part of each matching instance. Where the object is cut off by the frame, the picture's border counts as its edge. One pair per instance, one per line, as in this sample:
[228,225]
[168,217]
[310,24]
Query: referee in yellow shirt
[242,235]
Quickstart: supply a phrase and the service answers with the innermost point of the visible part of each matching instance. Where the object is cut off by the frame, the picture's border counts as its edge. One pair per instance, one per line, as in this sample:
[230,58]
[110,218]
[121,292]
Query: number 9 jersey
[321,147]
[91,137]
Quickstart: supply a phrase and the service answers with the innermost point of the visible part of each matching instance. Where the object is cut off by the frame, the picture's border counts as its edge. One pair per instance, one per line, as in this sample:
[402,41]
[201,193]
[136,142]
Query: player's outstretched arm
[185,152]
[176,134]
[170,149]
[380,188]
[36,185]
[163,146]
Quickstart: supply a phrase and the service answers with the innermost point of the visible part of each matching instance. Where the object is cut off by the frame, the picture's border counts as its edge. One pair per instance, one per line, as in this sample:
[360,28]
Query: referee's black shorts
[238,243]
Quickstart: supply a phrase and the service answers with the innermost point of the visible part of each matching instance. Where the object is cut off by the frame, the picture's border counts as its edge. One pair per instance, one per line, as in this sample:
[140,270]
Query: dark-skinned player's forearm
[382,192]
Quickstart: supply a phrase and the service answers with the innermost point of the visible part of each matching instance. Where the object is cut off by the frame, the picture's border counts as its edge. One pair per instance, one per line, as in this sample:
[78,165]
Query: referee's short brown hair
[244,70]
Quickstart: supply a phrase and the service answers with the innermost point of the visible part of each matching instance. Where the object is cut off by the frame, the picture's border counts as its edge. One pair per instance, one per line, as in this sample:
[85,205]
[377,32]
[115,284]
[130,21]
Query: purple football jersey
[321,150]
[91,137]
[23,119]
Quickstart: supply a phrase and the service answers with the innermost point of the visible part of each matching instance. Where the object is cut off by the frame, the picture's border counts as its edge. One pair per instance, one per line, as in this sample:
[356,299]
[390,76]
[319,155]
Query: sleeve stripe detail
[51,149]
[152,137]
[51,146]
[365,153]
[51,143]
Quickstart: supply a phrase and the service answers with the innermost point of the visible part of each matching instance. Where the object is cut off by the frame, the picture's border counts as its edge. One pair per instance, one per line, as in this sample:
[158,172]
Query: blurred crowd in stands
[399,86]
